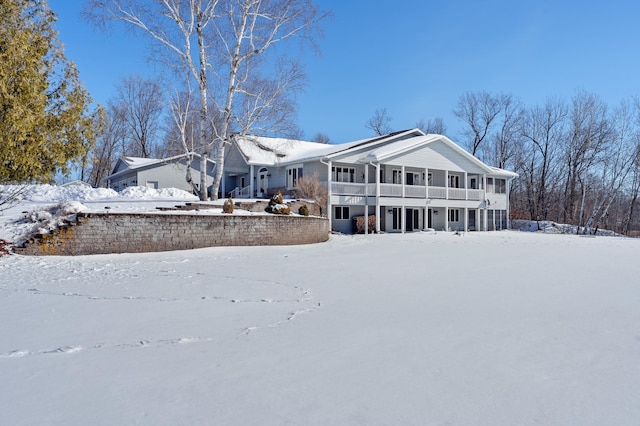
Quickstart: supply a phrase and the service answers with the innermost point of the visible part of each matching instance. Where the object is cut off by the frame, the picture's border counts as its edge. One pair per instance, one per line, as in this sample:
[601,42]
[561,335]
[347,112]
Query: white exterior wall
[438,156]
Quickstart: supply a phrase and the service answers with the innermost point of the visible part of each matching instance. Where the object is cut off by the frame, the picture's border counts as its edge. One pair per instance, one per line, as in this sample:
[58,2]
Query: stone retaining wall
[101,233]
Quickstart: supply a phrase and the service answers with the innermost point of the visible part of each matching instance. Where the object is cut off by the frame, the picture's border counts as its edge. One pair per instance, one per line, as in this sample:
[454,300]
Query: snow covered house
[157,173]
[408,180]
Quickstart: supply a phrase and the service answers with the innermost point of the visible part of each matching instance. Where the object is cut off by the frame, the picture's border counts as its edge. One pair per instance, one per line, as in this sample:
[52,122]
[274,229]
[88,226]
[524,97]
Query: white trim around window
[454,215]
[293,174]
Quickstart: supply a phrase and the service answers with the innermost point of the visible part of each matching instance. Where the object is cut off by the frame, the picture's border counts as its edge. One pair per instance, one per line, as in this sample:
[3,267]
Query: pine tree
[45,117]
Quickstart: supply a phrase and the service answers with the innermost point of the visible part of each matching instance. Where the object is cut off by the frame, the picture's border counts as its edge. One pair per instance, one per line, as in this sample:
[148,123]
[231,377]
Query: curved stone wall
[101,233]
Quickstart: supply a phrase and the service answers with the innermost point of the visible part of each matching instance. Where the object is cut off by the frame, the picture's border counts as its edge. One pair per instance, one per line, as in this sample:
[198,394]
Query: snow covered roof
[259,150]
[133,163]
[278,151]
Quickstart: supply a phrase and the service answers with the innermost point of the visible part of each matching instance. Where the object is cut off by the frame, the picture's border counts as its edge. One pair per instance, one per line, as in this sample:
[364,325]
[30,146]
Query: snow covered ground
[495,328]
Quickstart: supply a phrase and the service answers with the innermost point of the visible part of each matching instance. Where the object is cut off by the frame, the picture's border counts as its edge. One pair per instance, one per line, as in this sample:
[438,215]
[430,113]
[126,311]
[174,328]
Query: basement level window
[341,213]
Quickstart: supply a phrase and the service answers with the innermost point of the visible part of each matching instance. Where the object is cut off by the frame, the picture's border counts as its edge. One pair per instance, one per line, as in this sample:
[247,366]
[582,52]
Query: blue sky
[415,58]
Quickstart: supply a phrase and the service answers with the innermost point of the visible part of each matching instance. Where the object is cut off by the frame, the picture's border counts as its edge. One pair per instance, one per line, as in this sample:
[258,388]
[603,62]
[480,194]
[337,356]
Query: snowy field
[497,328]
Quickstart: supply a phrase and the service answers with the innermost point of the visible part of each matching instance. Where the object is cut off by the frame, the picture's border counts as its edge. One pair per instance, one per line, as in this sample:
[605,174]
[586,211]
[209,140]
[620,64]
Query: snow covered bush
[277,206]
[227,207]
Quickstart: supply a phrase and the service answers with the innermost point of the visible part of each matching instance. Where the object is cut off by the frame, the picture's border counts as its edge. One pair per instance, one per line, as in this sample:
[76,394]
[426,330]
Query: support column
[426,183]
[466,186]
[403,180]
[446,219]
[485,214]
[329,204]
[425,218]
[378,198]
[446,185]
[403,217]
[466,219]
[366,199]
[252,179]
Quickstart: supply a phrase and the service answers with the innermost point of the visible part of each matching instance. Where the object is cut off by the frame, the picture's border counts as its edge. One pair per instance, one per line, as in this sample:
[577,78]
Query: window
[489,184]
[454,215]
[430,179]
[396,219]
[343,174]
[501,186]
[341,212]
[454,181]
[414,178]
[293,174]
[397,176]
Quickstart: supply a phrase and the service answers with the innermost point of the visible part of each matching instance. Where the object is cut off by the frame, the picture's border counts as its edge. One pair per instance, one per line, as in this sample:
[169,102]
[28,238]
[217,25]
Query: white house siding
[438,156]
[496,201]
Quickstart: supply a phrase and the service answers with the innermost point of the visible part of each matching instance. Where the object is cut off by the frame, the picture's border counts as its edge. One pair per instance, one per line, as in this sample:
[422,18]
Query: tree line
[578,159]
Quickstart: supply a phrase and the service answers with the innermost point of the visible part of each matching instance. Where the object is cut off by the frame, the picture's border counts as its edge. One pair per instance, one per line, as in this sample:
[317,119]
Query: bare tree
[142,102]
[588,134]
[379,122]
[111,144]
[432,126]
[503,143]
[543,129]
[478,111]
[310,188]
[617,161]
[232,37]
[321,138]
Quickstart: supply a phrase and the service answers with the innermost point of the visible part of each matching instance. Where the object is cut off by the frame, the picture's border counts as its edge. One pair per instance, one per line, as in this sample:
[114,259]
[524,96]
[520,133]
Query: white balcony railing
[344,188]
[457,194]
[390,190]
[438,192]
[475,194]
[410,191]
[415,191]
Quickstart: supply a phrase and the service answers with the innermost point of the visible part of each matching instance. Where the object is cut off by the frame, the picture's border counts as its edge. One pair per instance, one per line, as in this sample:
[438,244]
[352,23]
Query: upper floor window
[496,185]
[396,176]
[454,181]
[343,174]
[414,178]
[293,174]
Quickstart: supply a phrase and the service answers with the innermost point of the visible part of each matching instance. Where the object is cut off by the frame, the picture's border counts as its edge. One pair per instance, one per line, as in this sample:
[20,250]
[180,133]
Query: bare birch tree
[617,161]
[232,38]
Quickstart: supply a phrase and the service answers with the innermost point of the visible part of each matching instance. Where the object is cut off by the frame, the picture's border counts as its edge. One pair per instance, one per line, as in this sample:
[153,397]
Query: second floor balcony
[407,191]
